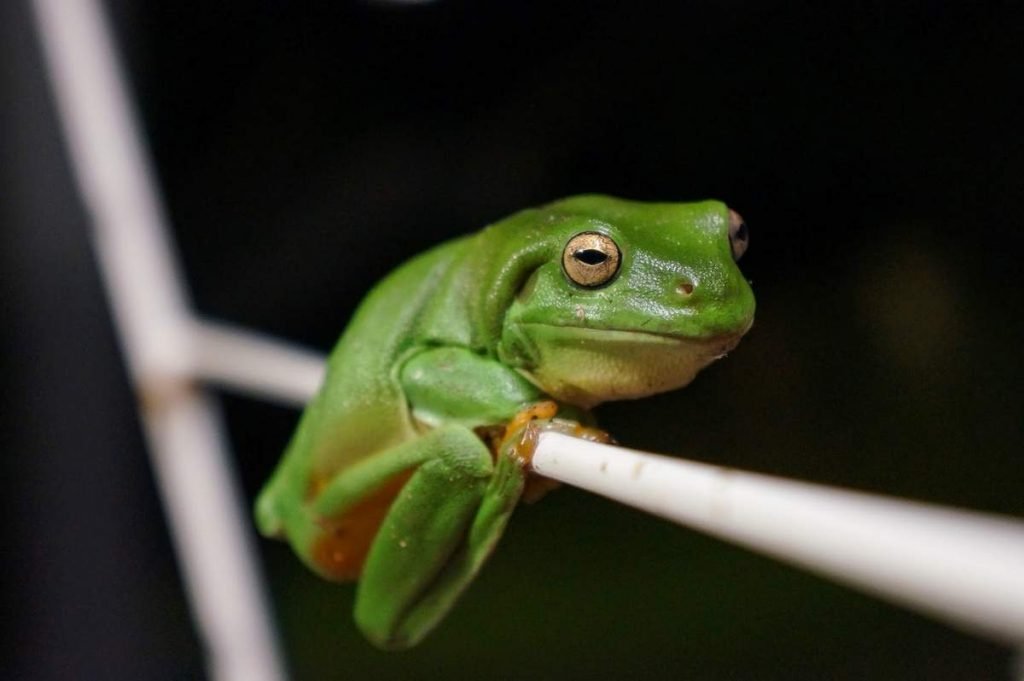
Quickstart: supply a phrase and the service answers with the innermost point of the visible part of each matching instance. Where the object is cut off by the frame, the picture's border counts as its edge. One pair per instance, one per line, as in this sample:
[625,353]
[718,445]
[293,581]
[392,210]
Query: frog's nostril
[684,288]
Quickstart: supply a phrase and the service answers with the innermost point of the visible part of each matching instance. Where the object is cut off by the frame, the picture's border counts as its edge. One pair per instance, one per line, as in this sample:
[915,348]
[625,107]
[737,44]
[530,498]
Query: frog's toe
[268,519]
[544,410]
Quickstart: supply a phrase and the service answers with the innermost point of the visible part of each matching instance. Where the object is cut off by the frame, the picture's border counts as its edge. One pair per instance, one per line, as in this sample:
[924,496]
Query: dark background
[874,149]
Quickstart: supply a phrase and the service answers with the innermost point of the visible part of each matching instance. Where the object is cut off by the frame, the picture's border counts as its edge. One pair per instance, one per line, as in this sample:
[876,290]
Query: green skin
[468,334]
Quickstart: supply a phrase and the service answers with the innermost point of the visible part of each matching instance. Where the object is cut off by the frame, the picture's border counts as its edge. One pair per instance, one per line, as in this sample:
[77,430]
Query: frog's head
[622,299]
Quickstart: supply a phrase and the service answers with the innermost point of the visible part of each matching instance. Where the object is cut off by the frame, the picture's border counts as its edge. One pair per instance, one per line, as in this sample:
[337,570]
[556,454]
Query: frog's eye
[591,259]
[739,235]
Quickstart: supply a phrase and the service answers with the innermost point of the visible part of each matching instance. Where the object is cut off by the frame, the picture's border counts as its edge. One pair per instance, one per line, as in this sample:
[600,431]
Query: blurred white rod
[963,567]
[207,517]
[255,364]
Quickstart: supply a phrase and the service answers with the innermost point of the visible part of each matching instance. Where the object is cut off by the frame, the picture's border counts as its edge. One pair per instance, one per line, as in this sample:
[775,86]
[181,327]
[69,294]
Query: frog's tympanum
[406,466]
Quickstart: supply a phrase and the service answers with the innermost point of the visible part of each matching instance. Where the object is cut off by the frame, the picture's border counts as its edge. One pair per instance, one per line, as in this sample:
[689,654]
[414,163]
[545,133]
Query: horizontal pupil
[590,256]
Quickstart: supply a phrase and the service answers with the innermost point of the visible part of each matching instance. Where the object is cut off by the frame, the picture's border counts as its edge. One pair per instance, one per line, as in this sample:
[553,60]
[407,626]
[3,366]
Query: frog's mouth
[587,365]
[728,341]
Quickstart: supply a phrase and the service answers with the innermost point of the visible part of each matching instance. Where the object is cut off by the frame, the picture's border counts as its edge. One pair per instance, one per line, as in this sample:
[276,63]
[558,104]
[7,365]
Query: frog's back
[360,408]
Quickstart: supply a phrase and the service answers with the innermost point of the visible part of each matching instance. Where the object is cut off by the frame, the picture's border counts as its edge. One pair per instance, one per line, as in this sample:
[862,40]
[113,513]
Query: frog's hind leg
[330,522]
[442,526]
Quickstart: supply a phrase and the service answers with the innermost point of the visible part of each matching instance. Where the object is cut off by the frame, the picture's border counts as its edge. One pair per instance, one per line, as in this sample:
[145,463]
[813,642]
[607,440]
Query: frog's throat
[587,366]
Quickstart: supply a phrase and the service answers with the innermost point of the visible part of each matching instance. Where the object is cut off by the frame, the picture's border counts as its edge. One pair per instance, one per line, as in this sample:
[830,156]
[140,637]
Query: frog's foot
[537,485]
[518,440]
[541,410]
[513,437]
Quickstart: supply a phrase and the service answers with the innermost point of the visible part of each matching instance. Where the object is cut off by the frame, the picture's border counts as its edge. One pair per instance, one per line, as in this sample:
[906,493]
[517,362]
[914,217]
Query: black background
[874,149]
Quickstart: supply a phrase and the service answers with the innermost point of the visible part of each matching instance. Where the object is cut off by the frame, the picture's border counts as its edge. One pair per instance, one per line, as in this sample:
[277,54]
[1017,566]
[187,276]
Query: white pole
[962,567]
[255,364]
[208,520]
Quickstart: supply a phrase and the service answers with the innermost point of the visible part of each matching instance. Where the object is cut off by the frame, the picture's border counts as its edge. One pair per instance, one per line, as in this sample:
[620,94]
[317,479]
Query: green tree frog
[406,466]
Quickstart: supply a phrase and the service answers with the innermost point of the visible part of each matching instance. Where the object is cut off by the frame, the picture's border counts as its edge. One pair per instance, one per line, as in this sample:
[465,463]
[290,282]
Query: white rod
[193,472]
[209,525]
[255,364]
[963,567]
